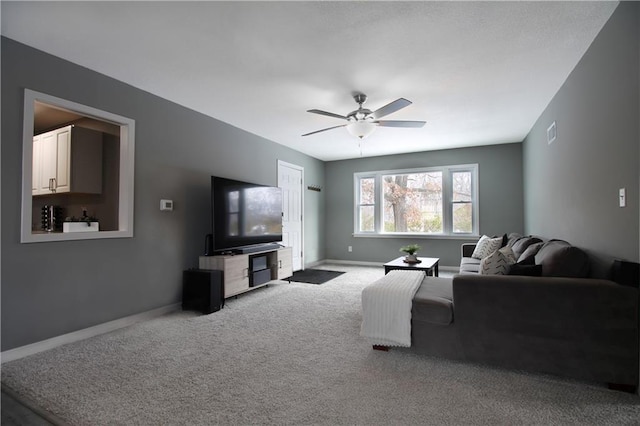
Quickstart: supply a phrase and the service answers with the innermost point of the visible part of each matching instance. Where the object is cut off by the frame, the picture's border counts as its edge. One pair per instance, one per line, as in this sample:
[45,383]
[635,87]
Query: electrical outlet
[166,205]
[350,249]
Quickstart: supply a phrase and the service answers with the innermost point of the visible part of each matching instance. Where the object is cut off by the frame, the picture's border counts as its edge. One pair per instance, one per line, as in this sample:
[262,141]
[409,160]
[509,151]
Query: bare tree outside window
[366,197]
[413,202]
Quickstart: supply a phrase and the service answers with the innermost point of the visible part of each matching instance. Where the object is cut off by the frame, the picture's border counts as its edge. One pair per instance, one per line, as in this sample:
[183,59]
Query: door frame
[297,167]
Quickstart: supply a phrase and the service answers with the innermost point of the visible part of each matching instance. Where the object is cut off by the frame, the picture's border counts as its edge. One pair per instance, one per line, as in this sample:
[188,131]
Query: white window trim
[447,202]
[126,177]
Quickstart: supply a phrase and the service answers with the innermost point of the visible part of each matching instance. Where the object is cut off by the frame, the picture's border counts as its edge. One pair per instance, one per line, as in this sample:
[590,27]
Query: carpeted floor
[291,354]
[17,411]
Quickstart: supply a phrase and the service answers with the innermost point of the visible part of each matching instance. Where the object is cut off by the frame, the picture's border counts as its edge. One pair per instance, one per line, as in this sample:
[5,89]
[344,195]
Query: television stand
[247,271]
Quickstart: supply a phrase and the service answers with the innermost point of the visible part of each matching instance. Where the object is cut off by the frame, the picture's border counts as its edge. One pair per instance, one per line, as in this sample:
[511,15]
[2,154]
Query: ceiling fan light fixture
[361,129]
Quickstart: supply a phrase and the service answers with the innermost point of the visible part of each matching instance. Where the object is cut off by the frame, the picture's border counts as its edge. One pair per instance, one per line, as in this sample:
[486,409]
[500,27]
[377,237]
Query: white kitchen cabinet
[67,160]
[37,165]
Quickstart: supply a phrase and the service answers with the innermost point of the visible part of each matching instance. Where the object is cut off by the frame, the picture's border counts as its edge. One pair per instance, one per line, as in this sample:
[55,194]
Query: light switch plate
[166,205]
[622,194]
[552,133]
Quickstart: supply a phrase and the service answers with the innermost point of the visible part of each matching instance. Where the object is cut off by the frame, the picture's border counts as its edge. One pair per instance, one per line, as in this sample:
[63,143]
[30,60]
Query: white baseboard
[362,263]
[34,348]
[313,264]
[353,262]
[454,269]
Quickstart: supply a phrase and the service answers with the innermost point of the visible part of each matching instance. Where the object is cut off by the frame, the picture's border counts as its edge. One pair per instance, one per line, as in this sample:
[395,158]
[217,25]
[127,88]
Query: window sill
[419,236]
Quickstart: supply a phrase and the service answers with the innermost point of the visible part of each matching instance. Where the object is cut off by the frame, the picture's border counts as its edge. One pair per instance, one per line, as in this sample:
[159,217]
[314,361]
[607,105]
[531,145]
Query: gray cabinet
[284,263]
[236,269]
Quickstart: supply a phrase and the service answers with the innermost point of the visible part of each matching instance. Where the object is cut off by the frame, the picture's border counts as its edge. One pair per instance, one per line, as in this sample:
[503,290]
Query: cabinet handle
[55,184]
[280,264]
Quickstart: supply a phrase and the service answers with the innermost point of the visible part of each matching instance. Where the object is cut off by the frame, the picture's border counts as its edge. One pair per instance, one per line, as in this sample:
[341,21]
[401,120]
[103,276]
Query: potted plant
[411,251]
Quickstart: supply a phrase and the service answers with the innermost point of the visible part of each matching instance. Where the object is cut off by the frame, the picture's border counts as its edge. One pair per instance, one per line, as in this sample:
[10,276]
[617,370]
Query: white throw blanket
[386,308]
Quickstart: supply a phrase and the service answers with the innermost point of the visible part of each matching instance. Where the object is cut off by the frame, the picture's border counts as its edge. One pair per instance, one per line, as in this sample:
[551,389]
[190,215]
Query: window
[462,202]
[366,204]
[412,202]
[429,201]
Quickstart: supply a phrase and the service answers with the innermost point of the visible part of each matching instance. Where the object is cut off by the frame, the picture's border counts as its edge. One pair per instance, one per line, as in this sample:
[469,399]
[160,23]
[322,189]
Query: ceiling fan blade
[400,123]
[391,108]
[324,130]
[330,114]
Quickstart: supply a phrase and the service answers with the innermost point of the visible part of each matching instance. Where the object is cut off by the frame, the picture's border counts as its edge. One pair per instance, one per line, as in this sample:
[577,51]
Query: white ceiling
[477,72]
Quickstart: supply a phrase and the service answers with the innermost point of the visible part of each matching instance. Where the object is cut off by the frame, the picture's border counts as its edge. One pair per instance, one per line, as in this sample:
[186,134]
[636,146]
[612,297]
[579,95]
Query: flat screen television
[244,214]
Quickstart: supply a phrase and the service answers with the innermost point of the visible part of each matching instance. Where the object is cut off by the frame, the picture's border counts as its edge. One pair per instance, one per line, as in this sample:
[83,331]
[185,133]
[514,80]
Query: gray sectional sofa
[563,316]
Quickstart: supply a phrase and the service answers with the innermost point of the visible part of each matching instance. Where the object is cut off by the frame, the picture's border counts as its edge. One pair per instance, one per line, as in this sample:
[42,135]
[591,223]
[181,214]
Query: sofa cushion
[530,252]
[486,246]
[530,260]
[498,262]
[560,259]
[433,302]
[521,245]
[469,265]
[525,270]
[512,238]
[508,254]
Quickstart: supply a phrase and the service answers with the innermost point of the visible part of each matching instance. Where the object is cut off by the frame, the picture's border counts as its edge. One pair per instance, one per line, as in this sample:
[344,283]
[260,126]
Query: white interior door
[291,180]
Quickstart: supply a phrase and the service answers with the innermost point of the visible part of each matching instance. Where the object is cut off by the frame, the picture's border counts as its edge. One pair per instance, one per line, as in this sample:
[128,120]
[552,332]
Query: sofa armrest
[467,249]
[580,327]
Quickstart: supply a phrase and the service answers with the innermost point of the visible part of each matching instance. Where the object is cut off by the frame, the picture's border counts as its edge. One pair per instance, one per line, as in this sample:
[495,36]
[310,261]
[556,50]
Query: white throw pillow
[498,262]
[509,254]
[486,246]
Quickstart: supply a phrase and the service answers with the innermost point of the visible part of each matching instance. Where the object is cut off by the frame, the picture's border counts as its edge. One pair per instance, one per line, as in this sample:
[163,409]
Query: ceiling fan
[362,122]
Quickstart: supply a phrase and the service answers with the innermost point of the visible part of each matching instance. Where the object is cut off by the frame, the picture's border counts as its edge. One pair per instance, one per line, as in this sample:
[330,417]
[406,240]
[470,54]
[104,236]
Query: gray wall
[49,289]
[571,186]
[500,194]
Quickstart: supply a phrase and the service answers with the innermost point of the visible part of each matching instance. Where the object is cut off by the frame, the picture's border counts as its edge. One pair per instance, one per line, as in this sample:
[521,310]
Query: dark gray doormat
[314,276]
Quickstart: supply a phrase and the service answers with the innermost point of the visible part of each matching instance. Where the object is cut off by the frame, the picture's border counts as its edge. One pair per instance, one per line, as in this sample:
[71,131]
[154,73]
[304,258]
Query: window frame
[447,202]
[125,178]
[359,204]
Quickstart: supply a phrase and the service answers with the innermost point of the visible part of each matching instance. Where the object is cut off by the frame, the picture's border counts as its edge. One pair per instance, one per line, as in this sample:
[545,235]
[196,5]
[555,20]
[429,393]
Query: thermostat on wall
[166,205]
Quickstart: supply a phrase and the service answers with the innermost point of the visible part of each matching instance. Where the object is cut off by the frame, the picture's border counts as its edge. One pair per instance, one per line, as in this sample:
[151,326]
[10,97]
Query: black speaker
[626,273]
[208,245]
[202,290]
